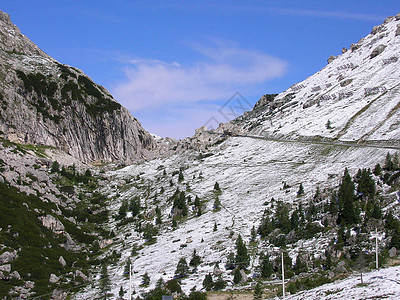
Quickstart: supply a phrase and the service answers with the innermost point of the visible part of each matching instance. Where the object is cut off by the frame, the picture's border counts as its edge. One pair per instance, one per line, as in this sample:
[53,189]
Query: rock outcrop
[47,103]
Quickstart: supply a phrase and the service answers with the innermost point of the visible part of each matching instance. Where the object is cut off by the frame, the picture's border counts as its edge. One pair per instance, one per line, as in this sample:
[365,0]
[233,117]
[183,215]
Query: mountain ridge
[45,102]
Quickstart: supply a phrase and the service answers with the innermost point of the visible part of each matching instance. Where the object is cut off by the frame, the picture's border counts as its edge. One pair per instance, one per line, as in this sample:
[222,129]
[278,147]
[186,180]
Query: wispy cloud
[273,10]
[220,71]
[178,121]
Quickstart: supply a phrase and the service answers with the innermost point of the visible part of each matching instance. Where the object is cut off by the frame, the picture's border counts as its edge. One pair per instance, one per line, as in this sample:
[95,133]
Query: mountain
[44,102]
[354,98]
[311,172]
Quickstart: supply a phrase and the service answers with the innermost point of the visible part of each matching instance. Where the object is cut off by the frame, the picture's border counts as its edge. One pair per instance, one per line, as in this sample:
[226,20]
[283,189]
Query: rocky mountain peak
[12,40]
[48,103]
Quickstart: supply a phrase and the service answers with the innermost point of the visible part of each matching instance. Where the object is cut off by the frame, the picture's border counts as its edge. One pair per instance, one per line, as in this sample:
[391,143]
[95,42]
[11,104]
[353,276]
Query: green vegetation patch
[38,247]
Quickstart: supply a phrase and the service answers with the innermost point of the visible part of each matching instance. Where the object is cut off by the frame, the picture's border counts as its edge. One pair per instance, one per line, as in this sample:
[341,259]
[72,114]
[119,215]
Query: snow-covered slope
[249,175]
[382,284]
[358,92]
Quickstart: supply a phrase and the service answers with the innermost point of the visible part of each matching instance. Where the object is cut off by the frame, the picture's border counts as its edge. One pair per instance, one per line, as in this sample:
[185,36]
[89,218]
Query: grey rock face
[331,59]
[62,261]
[47,103]
[397,30]
[7,257]
[53,224]
[378,50]
[54,278]
[5,268]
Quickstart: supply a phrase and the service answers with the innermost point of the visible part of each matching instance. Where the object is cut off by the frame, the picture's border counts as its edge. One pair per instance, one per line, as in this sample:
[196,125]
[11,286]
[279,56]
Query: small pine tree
[180,177]
[105,285]
[377,170]
[253,234]
[347,214]
[266,268]
[216,186]
[55,167]
[215,226]
[174,223]
[328,124]
[220,283]
[242,257]
[300,192]
[196,260]
[149,231]
[121,292]
[389,166]
[88,173]
[127,267]
[182,268]
[208,282]
[145,279]
[217,204]
[300,266]
[196,202]
[258,292]
[237,276]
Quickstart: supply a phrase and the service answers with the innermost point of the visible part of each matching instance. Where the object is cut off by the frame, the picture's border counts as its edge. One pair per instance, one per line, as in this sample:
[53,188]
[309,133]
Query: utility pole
[130,281]
[283,277]
[376,248]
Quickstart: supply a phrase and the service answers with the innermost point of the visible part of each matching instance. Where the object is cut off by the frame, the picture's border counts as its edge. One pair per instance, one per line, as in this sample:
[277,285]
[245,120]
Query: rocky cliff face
[45,102]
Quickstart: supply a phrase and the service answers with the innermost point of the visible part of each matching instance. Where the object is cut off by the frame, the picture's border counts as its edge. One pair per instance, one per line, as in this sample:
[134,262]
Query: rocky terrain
[47,103]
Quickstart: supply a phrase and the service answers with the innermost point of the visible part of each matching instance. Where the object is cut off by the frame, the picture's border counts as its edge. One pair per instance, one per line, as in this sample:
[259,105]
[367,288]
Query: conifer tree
[217,204]
[121,292]
[242,257]
[258,292]
[216,186]
[266,268]
[127,267]
[180,177]
[377,170]
[347,214]
[182,268]
[208,282]
[300,192]
[105,285]
[145,279]
[197,201]
[196,260]
[389,166]
[55,167]
[253,234]
[237,276]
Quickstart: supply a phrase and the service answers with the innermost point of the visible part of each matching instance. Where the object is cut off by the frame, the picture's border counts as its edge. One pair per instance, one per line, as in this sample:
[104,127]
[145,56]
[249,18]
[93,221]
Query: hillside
[218,213]
[47,103]
[257,177]
[354,98]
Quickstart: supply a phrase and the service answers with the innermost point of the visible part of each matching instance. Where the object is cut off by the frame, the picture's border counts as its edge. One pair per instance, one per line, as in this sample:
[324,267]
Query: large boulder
[8,257]
[378,50]
[52,223]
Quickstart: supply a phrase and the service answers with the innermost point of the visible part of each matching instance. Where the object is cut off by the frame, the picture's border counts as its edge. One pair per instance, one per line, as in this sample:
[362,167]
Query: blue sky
[175,64]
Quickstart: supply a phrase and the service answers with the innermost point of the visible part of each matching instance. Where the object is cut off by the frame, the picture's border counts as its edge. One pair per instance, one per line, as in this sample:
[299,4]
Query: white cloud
[180,121]
[221,71]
